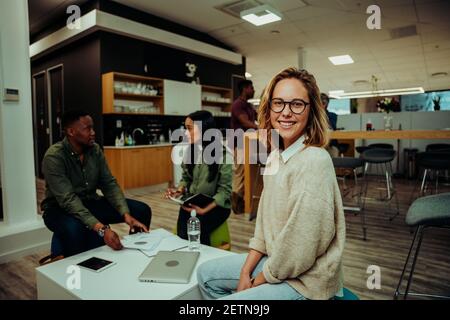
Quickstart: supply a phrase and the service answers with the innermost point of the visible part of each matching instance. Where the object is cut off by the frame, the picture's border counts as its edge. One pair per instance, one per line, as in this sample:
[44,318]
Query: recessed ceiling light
[439,74]
[344,59]
[360,82]
[261,15]
[248,75]
[335,93]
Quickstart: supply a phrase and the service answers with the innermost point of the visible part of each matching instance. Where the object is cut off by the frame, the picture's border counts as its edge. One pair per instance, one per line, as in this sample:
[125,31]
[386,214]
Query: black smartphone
[96,264]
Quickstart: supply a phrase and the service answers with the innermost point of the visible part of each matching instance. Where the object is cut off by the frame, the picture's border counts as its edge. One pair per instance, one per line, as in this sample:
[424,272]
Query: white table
[118,282]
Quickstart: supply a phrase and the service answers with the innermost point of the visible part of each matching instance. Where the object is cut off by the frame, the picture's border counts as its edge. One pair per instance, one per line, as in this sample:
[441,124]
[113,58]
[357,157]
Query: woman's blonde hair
[317,125]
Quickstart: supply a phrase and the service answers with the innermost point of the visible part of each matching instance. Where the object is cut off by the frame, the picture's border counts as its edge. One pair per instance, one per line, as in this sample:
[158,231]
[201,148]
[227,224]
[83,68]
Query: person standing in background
[243,116]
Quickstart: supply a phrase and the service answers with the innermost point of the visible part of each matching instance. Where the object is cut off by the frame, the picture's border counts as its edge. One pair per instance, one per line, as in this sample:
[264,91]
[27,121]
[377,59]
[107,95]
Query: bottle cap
[193,213]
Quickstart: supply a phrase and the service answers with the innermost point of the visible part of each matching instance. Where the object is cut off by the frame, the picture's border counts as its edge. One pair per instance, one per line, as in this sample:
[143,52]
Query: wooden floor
[386,246]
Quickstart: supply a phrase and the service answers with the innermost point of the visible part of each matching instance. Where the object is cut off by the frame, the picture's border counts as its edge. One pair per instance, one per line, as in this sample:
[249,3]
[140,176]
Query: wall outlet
[118,123]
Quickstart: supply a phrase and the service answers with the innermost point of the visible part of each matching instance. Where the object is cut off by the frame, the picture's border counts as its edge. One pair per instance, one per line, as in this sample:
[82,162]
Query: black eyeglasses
[297,106]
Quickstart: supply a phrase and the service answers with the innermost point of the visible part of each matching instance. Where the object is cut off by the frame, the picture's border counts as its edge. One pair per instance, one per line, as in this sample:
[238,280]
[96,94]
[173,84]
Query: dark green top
[69,182]
[219,188]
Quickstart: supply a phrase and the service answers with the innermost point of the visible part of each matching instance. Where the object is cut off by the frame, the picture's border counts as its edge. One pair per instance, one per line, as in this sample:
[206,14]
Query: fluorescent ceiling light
[333,93]
[248,75]
[261,15]
[254,101]
[337,60]
[366,94]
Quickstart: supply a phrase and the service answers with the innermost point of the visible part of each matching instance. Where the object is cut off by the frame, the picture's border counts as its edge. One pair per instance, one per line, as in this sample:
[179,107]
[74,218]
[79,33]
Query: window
[339,106]
[426,101]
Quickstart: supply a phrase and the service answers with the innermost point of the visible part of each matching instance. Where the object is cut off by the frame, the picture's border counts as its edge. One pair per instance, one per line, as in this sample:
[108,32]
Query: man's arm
[246,123]
[61,188]
[109,187]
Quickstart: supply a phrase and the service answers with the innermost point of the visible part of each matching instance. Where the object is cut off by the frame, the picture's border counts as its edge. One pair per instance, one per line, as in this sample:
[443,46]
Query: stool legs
[361,212]
[422,187]
[417,235]
[390,190]
[397,291]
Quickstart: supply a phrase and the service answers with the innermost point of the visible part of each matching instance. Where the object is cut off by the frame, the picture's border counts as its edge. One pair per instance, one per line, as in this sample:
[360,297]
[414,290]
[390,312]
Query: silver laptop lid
[170,267]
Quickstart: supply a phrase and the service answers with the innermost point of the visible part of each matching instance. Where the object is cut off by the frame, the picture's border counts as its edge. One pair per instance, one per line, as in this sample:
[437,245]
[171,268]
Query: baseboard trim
[16,245]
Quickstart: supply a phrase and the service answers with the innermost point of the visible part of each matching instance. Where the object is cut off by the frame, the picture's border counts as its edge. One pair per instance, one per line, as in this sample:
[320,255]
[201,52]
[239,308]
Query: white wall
[16,136]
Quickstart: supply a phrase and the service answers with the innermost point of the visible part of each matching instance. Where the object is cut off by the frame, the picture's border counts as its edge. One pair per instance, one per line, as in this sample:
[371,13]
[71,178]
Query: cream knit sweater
[300,224]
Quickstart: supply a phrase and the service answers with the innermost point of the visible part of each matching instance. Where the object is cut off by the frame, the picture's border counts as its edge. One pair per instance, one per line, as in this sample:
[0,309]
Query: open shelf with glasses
[132,94]
[217,100]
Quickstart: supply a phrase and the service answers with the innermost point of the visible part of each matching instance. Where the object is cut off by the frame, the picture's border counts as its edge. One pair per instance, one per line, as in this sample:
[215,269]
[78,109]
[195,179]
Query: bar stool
[438,147]
[433,161]
[353,164]
[424,213]
[381,158]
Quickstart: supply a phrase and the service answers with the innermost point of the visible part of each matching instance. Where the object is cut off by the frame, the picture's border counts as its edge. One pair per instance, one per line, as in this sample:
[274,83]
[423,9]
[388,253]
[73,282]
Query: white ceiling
[326,28]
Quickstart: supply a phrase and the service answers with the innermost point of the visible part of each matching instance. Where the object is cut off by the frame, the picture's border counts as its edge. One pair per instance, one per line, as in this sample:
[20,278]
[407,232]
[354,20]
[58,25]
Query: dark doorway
[41,124]
[48,107]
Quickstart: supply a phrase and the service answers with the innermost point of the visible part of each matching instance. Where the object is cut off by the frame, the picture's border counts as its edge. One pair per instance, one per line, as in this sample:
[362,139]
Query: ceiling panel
[324,28]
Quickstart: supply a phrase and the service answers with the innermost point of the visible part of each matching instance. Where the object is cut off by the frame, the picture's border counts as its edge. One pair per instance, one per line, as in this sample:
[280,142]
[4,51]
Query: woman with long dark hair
[207,169]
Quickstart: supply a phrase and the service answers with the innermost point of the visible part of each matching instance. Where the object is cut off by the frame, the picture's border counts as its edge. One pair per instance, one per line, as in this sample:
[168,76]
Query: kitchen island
[142,165]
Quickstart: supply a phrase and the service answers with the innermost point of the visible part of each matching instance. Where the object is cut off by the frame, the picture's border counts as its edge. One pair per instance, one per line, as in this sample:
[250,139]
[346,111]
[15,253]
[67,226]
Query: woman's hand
[174,193]
[259,280]
[245,282]
[200,211]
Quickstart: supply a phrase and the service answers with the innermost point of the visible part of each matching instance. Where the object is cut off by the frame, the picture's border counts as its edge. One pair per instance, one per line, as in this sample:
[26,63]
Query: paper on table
[145,241]
[170,243]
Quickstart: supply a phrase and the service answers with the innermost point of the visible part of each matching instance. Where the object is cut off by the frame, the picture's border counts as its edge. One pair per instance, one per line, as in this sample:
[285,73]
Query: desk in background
[364,135]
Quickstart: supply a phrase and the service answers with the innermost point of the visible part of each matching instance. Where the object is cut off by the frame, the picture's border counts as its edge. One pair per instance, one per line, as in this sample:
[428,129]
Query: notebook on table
[170,267]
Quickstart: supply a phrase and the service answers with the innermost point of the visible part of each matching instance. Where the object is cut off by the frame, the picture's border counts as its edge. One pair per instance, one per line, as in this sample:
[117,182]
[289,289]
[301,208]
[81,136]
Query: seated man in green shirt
[74,169]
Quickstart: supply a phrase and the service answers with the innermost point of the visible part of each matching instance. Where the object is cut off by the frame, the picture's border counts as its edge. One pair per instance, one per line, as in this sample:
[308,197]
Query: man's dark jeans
[76,237]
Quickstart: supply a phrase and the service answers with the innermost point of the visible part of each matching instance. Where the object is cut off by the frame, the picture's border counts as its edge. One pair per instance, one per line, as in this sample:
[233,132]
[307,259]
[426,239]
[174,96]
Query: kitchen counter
[140,166]
[165,144]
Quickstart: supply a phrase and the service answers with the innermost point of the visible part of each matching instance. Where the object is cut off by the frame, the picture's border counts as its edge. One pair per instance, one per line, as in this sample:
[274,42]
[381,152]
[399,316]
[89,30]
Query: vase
[387,122]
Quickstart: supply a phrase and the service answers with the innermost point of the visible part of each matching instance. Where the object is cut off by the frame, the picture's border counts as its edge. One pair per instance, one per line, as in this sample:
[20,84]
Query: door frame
[34,107]
[49,96]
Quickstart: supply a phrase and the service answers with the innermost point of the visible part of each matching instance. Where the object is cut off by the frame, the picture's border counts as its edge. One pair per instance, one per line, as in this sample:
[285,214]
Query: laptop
[170,267]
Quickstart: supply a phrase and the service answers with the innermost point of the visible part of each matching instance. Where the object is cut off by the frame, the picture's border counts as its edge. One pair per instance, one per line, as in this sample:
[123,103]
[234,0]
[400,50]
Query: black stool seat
[430,210]
[343,147]
[435,160]
[424,213]
[361,149]
[381,146]
[438,147]
[347,162]
[378,155]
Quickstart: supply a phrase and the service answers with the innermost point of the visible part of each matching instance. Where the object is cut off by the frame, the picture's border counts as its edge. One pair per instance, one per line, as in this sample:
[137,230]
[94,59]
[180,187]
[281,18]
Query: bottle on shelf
[369,125]
[193,231]
[122,140]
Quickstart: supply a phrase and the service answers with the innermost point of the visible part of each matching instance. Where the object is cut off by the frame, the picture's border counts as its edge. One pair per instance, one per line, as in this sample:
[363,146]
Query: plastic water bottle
[193,231]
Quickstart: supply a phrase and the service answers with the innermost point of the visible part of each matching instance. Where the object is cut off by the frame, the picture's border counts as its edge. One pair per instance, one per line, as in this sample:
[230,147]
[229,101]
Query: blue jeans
[219,278]
[76,237]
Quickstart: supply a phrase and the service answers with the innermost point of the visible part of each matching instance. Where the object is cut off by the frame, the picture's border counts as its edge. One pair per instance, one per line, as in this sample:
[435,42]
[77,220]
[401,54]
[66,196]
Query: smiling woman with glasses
[297,106]
[296,251]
